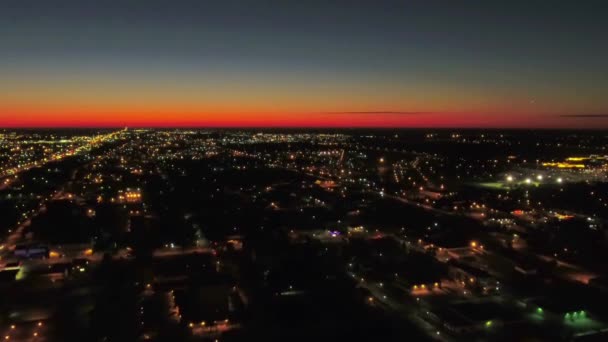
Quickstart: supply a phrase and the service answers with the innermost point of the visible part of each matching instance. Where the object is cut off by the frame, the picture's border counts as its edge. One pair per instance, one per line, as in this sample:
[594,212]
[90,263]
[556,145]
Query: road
[407,312]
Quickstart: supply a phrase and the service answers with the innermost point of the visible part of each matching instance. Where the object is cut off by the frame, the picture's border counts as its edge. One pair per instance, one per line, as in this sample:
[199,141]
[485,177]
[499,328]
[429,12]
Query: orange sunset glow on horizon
[315,65]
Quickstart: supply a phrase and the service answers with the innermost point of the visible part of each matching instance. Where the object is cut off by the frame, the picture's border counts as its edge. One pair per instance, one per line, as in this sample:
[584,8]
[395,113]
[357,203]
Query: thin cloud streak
[596,116]
[379,112]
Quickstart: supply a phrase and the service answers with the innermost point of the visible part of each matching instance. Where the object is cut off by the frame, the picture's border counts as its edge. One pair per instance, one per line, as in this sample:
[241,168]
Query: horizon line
[306,127]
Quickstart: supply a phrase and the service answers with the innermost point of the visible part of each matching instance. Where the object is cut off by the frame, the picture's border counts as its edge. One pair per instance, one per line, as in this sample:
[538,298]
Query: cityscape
[196,234]
[288,170]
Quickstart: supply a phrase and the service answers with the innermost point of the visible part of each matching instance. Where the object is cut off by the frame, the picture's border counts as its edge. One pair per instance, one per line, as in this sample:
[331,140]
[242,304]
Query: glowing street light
[509,178]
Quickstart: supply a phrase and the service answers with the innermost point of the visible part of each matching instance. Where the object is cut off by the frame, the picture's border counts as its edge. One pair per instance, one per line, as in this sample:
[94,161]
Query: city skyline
[317,170]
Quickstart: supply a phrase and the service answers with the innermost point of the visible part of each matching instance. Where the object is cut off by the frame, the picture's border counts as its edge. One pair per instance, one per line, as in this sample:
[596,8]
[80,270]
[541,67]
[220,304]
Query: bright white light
[539,177]
[528,181]
[559,180]
[509,178]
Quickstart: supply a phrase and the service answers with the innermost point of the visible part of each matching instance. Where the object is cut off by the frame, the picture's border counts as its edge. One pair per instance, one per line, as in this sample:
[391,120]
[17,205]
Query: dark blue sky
[540,58]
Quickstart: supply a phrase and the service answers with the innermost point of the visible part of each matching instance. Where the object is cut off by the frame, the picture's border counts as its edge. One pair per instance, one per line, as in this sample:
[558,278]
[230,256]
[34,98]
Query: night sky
[304,63]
